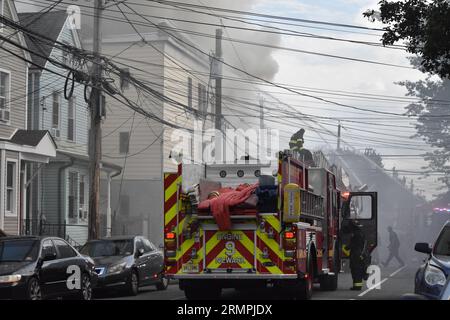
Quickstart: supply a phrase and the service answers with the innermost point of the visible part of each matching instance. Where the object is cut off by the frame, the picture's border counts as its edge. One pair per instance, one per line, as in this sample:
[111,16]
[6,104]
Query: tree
[425,28]
[433,121]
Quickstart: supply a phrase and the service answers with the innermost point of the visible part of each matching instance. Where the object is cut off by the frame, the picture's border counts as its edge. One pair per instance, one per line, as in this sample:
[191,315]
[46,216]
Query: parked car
[36,268]
[432,277]
[127,263]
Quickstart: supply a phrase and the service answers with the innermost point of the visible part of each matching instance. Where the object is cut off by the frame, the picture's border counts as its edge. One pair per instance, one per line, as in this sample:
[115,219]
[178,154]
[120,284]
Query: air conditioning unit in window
[56,133]
[4,115]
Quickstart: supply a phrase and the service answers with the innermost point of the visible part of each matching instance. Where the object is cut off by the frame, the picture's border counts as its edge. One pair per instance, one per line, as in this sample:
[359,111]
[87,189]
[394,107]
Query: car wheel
[86,288]
[33,290]
[133,284]
[162,284]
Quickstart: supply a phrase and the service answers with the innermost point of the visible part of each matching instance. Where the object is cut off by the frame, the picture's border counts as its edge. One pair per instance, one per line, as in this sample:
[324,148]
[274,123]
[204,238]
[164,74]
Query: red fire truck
[290,240]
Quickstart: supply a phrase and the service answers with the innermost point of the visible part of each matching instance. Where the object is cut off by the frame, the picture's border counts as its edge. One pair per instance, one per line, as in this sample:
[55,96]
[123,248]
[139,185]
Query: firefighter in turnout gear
[358,255]
[296,145]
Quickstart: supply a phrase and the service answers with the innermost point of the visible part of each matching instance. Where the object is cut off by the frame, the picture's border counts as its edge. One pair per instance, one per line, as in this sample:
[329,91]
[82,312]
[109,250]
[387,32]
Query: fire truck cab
[287,234]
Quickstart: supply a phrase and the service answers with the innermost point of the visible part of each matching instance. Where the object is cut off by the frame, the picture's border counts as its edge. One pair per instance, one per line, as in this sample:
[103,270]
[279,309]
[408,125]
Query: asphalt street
[393,283]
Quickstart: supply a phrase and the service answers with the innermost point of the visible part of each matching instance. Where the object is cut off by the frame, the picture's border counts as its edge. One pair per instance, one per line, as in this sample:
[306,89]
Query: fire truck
[289,240]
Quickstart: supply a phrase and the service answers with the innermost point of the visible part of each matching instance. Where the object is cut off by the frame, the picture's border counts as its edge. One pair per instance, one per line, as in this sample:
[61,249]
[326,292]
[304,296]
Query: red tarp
[227,203]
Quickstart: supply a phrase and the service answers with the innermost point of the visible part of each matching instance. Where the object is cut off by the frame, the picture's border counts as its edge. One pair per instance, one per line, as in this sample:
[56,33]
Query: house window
[71,119]
[11,187]
[202,98]
[72,196]
[65,56]
[4,96]
[82,212]
[55,112]
[124,141]
[190,92]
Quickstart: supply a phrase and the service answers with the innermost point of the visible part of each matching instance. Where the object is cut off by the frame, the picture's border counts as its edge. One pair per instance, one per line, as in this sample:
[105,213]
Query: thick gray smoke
[256,60]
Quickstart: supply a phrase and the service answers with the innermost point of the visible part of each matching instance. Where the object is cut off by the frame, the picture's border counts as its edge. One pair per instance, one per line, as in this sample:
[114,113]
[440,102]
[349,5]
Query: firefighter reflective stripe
[357,284]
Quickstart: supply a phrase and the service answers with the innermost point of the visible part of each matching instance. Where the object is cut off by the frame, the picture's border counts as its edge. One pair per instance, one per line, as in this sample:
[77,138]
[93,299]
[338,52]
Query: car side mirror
[140,252]
[49,256]
[423,247]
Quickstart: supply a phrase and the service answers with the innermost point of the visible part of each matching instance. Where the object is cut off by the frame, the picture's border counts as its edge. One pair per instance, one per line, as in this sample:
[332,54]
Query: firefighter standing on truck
[296,145]
[357,251]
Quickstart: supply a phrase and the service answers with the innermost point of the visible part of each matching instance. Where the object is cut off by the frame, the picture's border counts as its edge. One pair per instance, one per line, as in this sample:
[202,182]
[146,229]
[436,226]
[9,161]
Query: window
[4,96]
[124,78]
[190,92]
[147,245]
[72,196]
[66,56]
[48,248]
[124,139]
[55,112]
[11,187]
[139,245]
[202,107]
[64,250]
[82,213]
[71,119]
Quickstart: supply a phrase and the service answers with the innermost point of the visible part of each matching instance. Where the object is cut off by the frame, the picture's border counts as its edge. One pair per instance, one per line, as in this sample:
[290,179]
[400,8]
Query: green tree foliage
[424,26]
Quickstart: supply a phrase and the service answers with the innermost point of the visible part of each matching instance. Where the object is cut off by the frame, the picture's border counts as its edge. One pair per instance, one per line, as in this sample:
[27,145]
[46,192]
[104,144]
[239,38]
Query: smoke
[256,60]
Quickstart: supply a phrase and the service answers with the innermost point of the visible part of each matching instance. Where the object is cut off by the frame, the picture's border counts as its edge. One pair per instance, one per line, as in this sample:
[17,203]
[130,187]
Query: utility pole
[339,137]
[95,131]
[218,93]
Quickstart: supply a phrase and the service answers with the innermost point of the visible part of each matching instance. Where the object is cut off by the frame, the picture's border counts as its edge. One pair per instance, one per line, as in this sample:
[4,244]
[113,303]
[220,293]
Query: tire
[162,284]
[86,288]
[305,287]
[202,293]
[132,286]
[33,290]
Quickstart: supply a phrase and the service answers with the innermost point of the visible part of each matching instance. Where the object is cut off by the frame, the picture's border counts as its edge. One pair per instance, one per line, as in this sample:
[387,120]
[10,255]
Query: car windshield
[18,250]
[442,246]
[105,248]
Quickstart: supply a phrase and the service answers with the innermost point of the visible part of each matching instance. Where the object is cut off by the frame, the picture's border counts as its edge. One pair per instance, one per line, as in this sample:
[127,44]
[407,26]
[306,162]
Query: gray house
[59,195]
[19,148]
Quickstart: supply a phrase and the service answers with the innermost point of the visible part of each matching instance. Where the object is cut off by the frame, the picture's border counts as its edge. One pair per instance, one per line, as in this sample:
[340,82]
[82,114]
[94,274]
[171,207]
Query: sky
[312,72]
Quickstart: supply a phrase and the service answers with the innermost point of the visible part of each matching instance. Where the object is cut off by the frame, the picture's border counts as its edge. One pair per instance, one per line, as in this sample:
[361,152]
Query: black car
[433,277]
[127,263]
[35,268]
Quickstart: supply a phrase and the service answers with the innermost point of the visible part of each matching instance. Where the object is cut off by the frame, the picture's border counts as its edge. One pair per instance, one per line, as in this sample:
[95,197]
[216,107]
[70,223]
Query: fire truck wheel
[305,287]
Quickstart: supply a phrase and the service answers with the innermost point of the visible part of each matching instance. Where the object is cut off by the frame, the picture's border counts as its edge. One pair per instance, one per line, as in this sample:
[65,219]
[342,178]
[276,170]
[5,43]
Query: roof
[28,137]
[48,24]
[81,157]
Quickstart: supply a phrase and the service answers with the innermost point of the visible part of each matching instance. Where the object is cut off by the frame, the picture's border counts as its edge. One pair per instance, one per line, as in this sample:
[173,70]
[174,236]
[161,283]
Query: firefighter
[357,252]
[296,145]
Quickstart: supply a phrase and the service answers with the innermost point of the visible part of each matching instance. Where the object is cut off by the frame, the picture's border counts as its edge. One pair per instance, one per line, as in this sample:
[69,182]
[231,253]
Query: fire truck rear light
[170,235]
[289,235]
[345,195]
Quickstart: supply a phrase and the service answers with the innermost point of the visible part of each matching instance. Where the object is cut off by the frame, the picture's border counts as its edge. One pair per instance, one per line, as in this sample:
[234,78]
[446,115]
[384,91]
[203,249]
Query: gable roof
[49,24]
[15,18]
[29,137]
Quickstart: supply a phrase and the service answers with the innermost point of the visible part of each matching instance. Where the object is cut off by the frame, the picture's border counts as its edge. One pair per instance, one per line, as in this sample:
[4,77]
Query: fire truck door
[363,208]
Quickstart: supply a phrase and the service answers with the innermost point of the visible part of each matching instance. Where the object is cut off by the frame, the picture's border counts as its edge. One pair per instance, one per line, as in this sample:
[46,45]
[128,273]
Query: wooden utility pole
[95,131]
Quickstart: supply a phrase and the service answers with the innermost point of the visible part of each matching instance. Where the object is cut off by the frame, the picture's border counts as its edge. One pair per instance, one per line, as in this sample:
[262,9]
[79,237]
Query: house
[19,148]
[144,146]
[59,195]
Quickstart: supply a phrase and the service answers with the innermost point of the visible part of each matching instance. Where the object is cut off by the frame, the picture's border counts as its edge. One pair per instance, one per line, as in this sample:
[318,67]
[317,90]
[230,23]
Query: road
[394,283]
